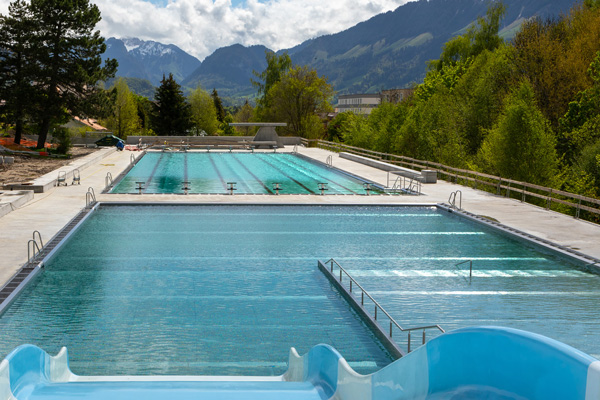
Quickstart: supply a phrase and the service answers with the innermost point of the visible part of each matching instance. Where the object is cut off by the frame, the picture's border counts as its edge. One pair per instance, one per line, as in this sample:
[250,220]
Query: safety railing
[378,309]
[550,198]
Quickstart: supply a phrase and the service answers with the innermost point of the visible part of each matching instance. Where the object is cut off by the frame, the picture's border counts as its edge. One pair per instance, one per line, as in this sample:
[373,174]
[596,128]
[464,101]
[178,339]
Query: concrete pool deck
[49,212]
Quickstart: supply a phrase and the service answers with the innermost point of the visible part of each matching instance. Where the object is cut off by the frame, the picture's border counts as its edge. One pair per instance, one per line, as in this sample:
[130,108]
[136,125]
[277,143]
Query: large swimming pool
[229,289]
[251,173]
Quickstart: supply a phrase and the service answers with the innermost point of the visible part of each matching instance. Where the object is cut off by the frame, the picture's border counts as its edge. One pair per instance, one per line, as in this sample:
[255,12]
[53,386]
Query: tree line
[528,109]
[51,70]
[286,93]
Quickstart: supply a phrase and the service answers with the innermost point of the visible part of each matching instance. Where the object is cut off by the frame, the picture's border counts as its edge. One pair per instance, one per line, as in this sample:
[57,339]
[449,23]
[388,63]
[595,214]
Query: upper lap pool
[253,173]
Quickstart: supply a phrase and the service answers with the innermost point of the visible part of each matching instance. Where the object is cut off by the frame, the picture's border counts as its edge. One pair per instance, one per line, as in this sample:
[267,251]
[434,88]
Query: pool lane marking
[235,157]
[240,179]
[152,173]
[185,167]
[286,175]
[480,293]
[214,165]
[299,167]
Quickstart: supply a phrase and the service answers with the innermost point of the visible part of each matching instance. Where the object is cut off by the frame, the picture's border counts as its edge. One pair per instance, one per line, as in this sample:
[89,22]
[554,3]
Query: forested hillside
[528,109]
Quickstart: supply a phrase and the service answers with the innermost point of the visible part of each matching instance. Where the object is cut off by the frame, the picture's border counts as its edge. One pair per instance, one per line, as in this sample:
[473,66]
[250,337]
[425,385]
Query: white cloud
[202,26]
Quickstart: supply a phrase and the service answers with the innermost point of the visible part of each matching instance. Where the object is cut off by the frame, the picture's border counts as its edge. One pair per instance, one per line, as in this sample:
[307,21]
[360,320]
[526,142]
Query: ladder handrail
[332,261]
[90,197]
[470,267]
[32,247]
[108,180]
[452,199]
[329,161]
[39,236]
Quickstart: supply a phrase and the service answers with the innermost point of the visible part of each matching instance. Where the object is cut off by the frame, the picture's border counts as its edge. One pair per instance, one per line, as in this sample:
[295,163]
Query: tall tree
[172,115]
[244,114]
[125,120]
[204,113]
[16,46]
[68,59]
[522,145]
[277,67]
[297,99]
[479,37]
[218,106]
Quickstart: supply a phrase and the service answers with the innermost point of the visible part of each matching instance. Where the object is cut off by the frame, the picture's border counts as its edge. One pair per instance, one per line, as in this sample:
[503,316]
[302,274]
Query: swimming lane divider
[238,178]
[152,173]
[299,167]
[217,171]
[286,175]
[185,167]
[252,174]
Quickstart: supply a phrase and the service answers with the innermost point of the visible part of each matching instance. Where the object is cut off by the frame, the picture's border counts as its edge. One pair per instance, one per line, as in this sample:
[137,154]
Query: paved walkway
[49,212]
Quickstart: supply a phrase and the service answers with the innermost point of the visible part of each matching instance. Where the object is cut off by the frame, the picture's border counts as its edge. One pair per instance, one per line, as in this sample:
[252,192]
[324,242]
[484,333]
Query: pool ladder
[378,309]
[454,196]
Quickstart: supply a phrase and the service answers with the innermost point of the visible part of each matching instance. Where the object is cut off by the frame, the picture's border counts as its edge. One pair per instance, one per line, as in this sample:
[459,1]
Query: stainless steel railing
[378,307]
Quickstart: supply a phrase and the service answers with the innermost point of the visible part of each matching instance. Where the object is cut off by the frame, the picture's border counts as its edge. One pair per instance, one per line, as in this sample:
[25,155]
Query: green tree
[521,145]
[125,120]
[204,113]
[244,114]
[16,48]
[297,99]
[68,59]
[171,115]
[220,110]
[479,37]
[277,67]
[145,108]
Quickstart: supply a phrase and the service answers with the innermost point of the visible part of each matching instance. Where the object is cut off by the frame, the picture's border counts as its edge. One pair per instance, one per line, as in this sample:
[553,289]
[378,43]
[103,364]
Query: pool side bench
[424,176]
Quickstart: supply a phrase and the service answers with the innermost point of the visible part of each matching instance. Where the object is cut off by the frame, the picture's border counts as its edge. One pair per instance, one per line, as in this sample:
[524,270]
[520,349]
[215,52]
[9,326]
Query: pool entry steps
[385,335]
[37,253]
[470,363]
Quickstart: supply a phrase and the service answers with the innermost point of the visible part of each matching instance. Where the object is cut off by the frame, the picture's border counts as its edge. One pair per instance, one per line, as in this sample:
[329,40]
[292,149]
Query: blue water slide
[489,363]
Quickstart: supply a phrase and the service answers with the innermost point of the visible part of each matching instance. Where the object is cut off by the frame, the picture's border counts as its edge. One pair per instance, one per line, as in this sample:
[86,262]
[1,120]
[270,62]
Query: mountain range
[390,50]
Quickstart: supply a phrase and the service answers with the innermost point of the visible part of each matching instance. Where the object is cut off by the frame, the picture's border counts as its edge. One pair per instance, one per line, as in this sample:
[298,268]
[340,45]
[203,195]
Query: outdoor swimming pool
[228,289]
[253,173]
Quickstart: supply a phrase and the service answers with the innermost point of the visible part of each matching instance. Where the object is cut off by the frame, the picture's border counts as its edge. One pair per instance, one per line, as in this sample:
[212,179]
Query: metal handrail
[452,199]
[108,180]
[90,197]
[39,236]
[131,159]
[329,161]
[379,307]
[496,183]
[470,267]
[34,247]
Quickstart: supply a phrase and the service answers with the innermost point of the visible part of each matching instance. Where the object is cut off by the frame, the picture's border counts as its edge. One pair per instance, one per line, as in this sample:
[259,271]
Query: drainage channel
[20,279]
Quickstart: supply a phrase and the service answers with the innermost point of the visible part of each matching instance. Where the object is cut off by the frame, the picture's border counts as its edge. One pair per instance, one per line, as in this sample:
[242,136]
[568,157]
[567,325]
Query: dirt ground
[27,168]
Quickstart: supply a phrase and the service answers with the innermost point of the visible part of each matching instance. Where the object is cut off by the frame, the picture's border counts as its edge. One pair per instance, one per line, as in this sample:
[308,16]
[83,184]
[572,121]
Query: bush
[62,136]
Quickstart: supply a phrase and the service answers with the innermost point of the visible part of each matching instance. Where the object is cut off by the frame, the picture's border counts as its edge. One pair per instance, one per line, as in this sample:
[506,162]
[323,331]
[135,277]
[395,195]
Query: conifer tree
[16,46]
[218,106]
[68,59]
[172,114]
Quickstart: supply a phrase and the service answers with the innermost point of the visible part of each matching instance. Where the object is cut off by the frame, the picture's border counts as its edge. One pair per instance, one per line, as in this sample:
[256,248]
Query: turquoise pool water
[253,173]
[229,289]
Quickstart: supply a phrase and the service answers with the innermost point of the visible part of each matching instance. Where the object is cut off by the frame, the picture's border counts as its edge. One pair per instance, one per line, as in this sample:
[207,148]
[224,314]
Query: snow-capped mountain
[150,60]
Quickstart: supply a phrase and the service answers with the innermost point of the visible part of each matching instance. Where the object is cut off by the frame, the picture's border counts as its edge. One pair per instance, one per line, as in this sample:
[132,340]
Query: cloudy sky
[202,26]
